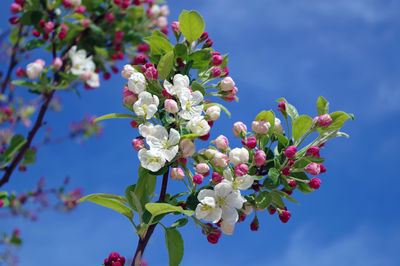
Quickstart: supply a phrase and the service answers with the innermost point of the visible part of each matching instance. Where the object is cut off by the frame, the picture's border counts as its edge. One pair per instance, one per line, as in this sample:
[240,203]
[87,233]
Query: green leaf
[223,108]
[35,43]
[29,157]
[190,136]
[263,200]
[286,196]
[191,25]
[15,240]
[174,242]
[114,115]
[277,200]
[16,143]
[282,140]
[338,119]
[200,58]
[165,65]
[160,208]
[158,45]
[180,51]
[322,106]
[301,186]
[25,83]
[272,180]
[145,186]
[31,17]
[31,4]
[181,222]
[291,111]
[302,162]
[301,126]
[114,202]
[4,197]
[198,87]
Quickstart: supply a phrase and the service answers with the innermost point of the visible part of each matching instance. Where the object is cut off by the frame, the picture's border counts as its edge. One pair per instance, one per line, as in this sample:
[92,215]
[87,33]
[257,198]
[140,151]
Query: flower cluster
[114,259]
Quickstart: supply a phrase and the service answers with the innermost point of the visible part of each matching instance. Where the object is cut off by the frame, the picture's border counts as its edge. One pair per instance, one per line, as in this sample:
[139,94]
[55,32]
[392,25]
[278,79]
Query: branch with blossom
[173,101]
[67,30]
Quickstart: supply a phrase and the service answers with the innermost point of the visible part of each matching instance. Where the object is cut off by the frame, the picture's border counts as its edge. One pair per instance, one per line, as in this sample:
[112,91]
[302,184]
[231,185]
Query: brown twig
[13,61]
[142,243]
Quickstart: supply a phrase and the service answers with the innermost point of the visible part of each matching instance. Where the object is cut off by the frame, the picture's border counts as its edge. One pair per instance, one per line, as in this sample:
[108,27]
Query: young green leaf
[16,143]
[272,181]
[191,25]
[200,58]
[263,200]
[114,115]
[160,208]
[322,106]
[174,242]
[301,126]
[277,200]
[165,65]
[286,196]
[35,43]
[114,202]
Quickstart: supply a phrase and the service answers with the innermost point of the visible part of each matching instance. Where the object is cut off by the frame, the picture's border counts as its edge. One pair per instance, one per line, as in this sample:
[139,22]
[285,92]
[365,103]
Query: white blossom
[190,103]
[146,105]
[238,156]
[221,203]
[80,62]
[152,160]
[94,80]
[198,125]
[33,70]
[181,83]
[238,182]
[166,144]
[137,83]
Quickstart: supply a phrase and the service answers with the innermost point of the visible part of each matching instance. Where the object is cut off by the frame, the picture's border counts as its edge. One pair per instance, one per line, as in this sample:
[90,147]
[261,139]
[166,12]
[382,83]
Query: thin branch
[13,61]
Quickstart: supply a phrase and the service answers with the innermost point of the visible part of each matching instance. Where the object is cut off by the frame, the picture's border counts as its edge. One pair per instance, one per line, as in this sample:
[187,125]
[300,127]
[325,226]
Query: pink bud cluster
[213,234]
[114,259]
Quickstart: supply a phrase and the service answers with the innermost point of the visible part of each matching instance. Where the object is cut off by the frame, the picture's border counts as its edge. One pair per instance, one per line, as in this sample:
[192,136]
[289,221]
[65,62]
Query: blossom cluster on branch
[173,100]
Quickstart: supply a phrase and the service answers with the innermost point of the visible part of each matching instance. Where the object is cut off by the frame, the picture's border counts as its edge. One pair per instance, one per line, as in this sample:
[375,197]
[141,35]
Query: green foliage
[4,197]
[272,181]
[114,202]
[174,242]
[114,115]
[322,106]
[35,43]
[191,24]
[16,143]
[200,58]
[161,208]
[165,65]
[263,200]
[301,126]
[158,45]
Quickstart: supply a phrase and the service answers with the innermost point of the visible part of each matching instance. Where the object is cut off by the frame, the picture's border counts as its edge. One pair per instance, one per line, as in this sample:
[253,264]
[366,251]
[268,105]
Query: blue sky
[346,51]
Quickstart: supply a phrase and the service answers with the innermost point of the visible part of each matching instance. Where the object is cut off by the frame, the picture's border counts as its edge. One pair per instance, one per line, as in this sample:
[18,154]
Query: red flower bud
[284,216]
[315,183]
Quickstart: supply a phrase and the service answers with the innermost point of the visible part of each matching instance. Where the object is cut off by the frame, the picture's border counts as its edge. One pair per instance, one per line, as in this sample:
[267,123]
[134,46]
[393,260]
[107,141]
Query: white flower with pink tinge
[238,182]
[146,105]
[191,104]
[180,83]
[221,203]
[166,144]
[152,160]
[80,62]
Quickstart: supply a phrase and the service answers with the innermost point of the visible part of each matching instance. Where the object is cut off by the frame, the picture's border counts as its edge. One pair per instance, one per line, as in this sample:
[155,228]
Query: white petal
[227,228]
[223,189]
[245,182]
[171,153]
[146,129]
[235,200]
[174,137]
[197,97]
[205,193]
[151,110]
[230,215]
[228,175]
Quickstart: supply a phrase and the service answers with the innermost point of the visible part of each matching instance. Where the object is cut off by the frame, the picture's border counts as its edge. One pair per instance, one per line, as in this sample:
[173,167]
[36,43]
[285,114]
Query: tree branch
[142,243]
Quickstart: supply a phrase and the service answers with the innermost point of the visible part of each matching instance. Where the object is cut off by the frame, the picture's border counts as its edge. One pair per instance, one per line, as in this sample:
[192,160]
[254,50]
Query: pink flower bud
[187,147]
[217,178]
[271,210]
[208,43]
[62,34]
[138,144]
[127,71]
[203,169]
[80,9]
[260,127]
[250,142]
[118,36]
[241,169]
[290,151]
[20,72]
[282,106]
[213,112]
[35,33]
[227,84]
[313,151]
[322,145]
[128,97]
[49,27]
[203,36]
[217,60]
[1,203]
[239,129]
[15,8]
[13,20]
[313,169]
[66,3]
[143,48]
[198,179]
[205,137]
[260,158]
[182,161]
[109,17]
[216,72]
[57,63]
[291,163]
[125,4]
[292,184]
[284,216]
[162,22]
[254,226]
[118,2]
[175,27]
[151,73]
[315,183]
[139,60]
[324,120]
[286,171]
[171,106]
[323,168]
[85,23]
[222,142]
[177,174]
[220,159]
[20,2]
